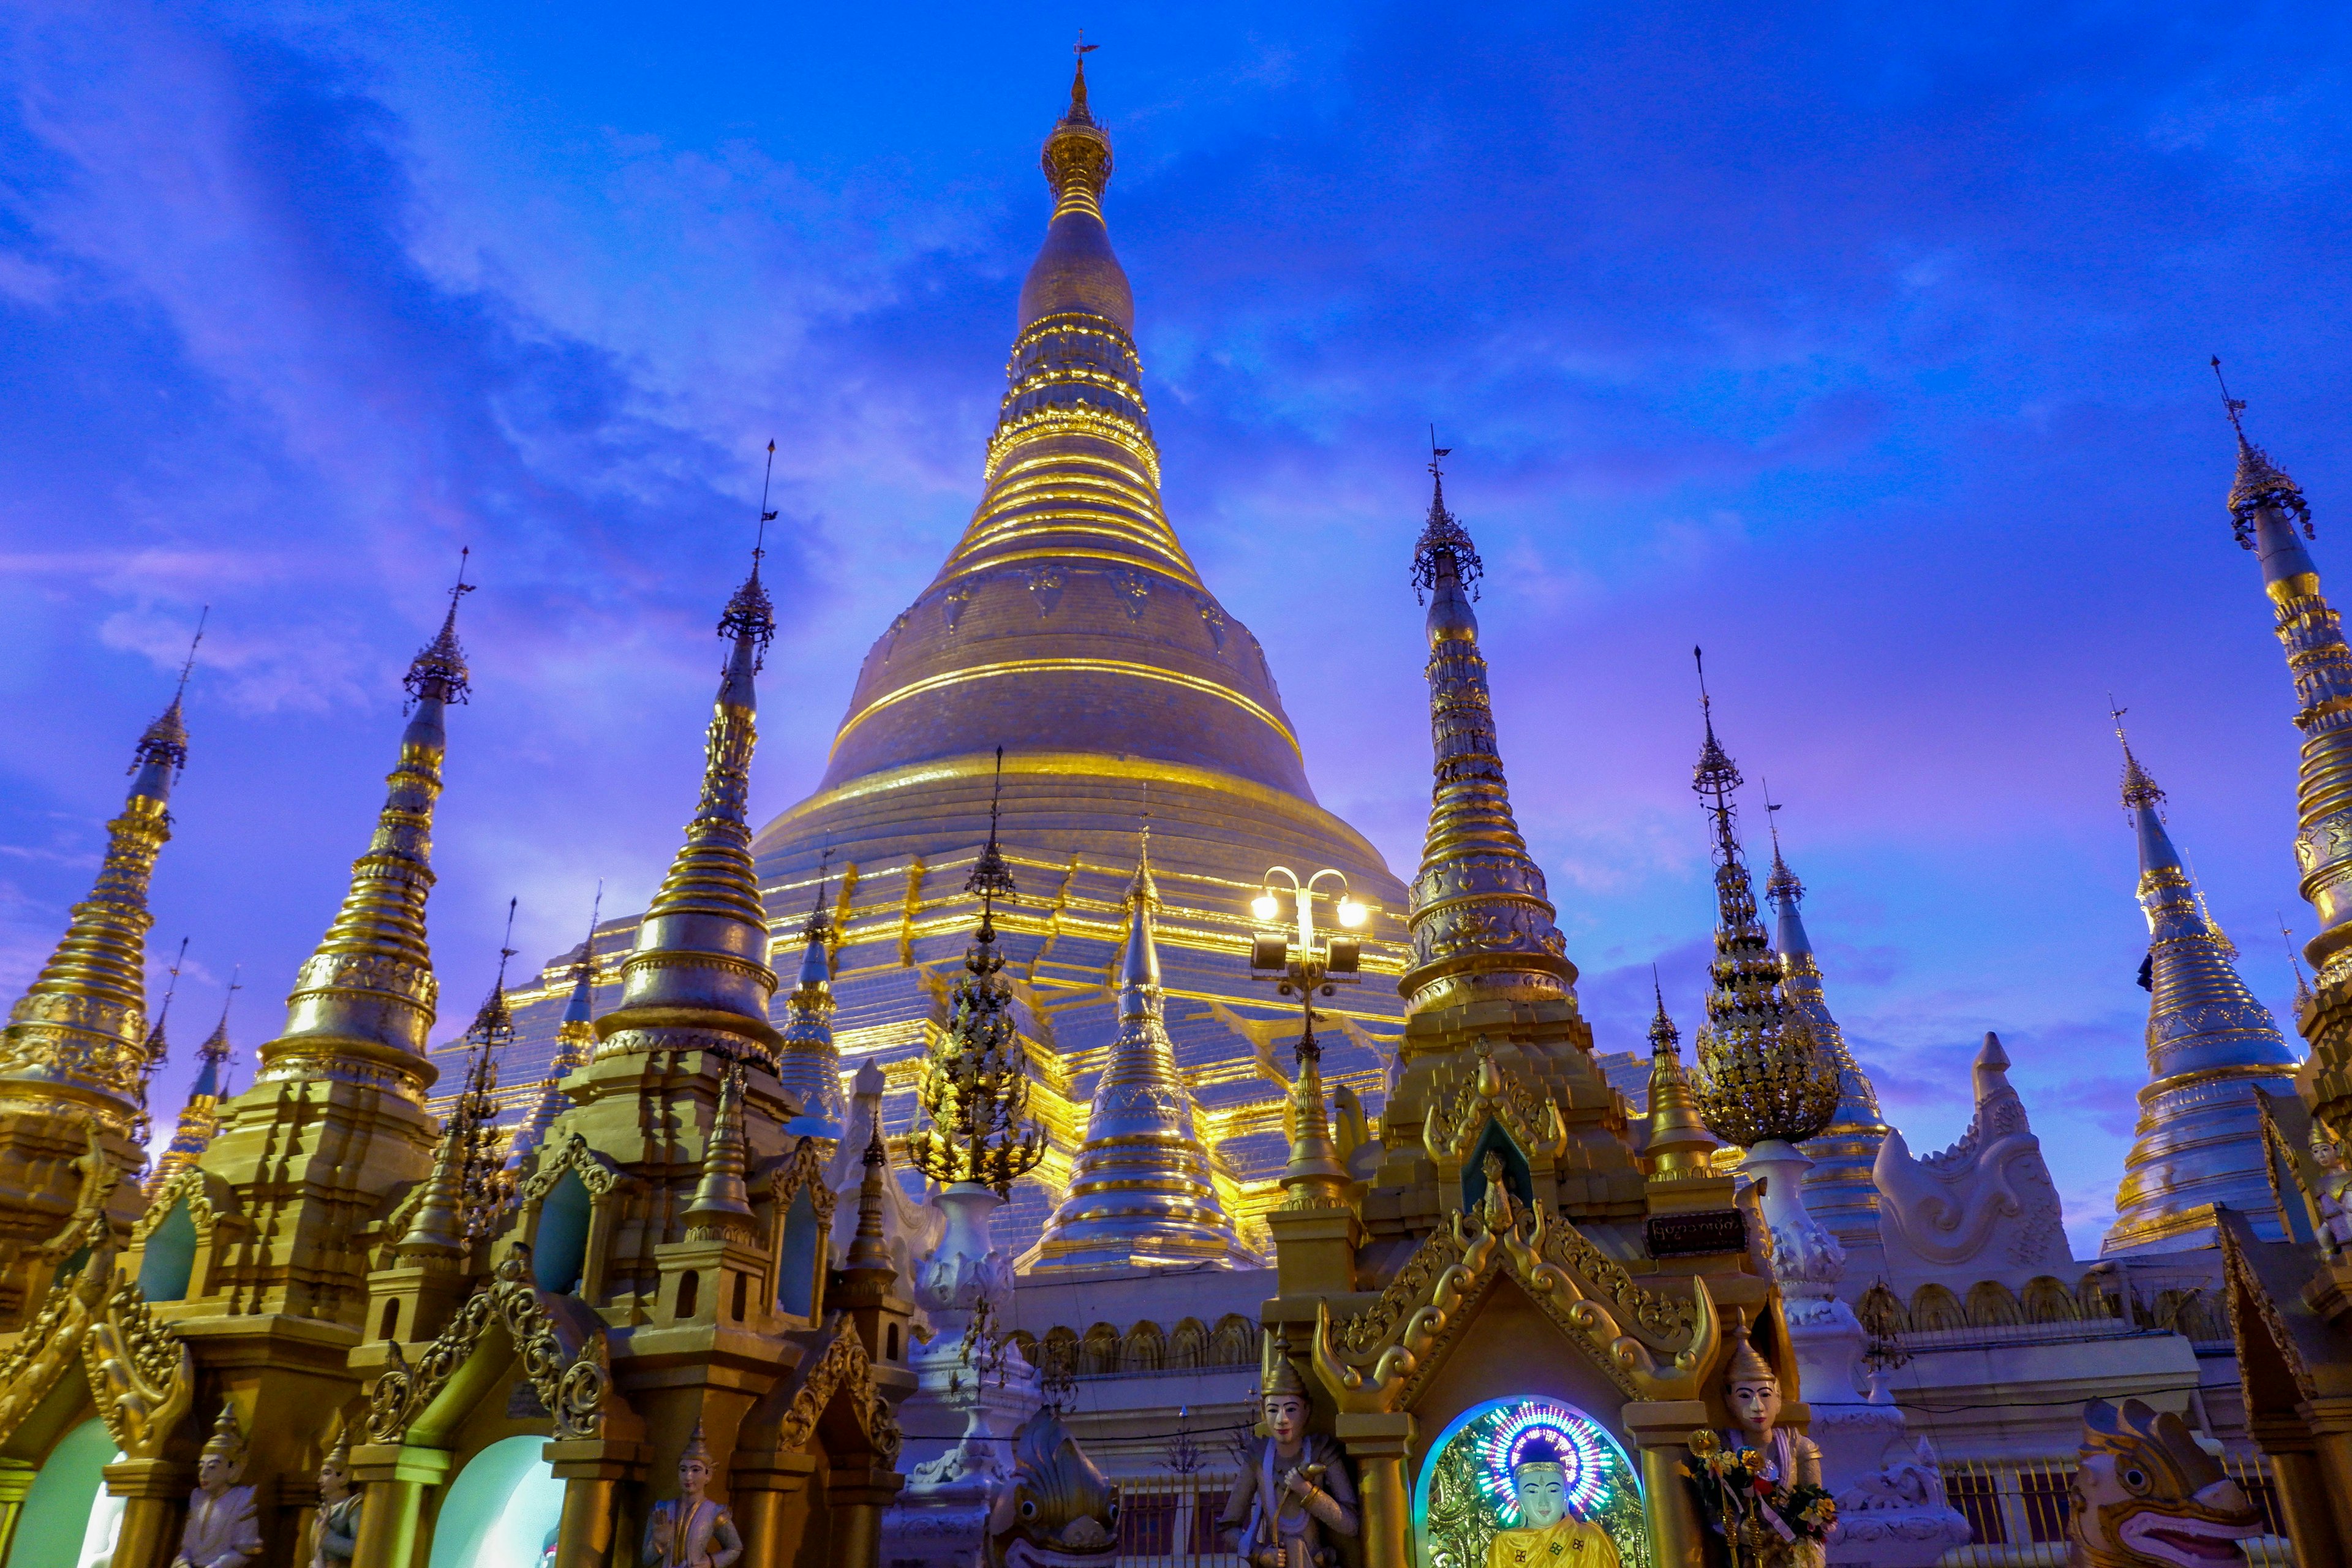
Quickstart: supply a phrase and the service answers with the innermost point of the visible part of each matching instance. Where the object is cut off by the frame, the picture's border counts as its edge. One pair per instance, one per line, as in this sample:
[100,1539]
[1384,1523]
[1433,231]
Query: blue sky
[1864,345]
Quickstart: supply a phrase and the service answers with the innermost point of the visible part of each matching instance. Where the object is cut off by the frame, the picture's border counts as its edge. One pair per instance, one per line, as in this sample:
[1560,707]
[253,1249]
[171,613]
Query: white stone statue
[1985,1207]
[223,1530]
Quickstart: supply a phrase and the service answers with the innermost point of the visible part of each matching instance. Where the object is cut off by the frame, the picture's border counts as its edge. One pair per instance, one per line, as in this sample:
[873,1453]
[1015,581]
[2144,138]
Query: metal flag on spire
[439,671]
[1445,550]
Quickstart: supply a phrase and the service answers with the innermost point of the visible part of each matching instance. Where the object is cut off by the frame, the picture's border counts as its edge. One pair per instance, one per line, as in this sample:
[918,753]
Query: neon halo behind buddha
[1548,1536]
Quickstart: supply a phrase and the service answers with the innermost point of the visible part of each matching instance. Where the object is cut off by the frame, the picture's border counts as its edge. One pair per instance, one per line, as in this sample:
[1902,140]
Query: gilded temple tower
[807,1064]
[2210,1046]
[74,1054]
[200,1117]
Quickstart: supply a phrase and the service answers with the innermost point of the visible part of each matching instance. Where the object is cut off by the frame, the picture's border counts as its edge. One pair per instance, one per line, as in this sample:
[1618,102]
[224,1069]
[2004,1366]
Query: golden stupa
[1068,626]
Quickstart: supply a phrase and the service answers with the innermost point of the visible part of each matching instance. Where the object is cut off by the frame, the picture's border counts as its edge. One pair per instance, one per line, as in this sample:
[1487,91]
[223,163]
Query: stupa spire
[1840,1191]
[77,1039]
[2210,1046]
[1140,1192]
[700,965]
[575,1042]
[1679,1143]
[808,1065]
[1481,921]
[158,1047]
[365,1000]
[2271,518]
[199,1121]
[722,1203]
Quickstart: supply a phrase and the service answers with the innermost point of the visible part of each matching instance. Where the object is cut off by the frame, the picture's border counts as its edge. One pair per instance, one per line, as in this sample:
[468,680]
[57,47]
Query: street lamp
[1302,966]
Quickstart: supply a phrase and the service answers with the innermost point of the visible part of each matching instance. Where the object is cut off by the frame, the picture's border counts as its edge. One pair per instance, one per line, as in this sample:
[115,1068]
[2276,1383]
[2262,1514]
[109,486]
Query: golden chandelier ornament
[975,1092]
[1760,1075]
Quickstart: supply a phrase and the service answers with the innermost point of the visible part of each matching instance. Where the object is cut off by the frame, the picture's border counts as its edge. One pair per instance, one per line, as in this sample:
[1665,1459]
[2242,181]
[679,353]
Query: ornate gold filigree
[804,1170]
[599,1175]
[1663,1319]
[140,1374]
[572,1382]
[1531,1119]
[841,1369]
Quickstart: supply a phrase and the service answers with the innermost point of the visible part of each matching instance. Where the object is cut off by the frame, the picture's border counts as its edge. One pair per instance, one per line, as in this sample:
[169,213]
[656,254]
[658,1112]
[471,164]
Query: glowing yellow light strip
[997,536]
[1183,579]
[1062,666]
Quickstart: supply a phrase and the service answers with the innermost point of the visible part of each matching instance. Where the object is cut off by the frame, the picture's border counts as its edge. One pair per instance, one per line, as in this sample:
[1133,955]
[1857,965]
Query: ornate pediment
[1457,1119]
[803,1170]
[597,1172]
[564,1353]
[140,1376]
[1651,1345]
[842,1372]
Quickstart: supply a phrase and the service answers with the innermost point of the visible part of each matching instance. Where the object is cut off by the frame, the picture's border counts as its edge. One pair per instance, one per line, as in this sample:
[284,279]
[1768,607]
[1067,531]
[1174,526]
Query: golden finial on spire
[2138,789]
[2259,483]
[1077,154]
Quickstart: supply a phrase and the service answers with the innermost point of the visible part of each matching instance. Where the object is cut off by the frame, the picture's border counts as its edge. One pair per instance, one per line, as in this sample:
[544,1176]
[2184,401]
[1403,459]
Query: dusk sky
[1864,345]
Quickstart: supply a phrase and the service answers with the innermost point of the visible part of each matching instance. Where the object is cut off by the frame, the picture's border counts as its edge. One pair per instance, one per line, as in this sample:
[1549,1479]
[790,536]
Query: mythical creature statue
[2145,1493]
[1057,1511]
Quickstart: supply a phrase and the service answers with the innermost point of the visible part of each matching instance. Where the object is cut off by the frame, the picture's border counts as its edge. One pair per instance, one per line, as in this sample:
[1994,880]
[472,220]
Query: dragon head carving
[1056,1511]
[2145,1493]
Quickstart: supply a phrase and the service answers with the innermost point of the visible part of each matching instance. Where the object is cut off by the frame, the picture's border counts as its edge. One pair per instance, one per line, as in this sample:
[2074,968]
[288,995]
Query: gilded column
[1839,1189]
[2209,1046]
[1141,1192]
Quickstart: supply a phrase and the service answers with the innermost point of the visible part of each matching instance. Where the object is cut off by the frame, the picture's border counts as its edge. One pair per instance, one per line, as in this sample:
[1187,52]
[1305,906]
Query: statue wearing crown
[1760,1483]
[692,1531]
[223,1530]
[335,1535]
[1548,1536]
[1295,1486]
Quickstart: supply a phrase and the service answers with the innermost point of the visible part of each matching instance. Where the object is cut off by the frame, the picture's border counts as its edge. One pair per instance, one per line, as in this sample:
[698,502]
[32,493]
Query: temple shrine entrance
[501,1511]
[1465,1493]
[68,1520]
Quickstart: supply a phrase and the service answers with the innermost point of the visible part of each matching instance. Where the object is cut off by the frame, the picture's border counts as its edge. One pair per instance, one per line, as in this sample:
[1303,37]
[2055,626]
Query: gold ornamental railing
[2019,1512]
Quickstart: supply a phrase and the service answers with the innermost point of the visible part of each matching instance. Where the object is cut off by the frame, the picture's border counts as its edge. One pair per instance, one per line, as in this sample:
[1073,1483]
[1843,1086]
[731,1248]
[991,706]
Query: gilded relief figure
[1295,1484]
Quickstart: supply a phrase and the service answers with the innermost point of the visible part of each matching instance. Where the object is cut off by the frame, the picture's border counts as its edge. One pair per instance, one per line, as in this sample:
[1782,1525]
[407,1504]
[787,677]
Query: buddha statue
[1547,1536]
[690,1531]
[223,1530]
[1293,1484]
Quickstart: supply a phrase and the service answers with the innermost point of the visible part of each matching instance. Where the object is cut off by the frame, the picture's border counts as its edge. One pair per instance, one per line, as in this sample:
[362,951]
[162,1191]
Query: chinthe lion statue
[1056,1511]
[2145,1493]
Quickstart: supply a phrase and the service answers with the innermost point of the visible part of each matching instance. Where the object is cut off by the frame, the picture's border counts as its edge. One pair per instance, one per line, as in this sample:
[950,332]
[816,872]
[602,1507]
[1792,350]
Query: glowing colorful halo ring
[1580,1444]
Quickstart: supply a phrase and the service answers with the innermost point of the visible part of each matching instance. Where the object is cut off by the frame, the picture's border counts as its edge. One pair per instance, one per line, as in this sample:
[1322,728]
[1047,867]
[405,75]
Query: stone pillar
[855,1496]
[395,1476]
[592,1470]
[15,1480]
[1378,1443]
[1660,1431]
[2302,1491]
[157,1498]
[770,1496]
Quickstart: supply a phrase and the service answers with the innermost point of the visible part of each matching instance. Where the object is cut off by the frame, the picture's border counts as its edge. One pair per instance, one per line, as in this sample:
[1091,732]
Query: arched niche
[69,1522]
[167,1263]
[500,1510]
[800,1256]
[1462,1495]
[559,1243]
[1517,1174]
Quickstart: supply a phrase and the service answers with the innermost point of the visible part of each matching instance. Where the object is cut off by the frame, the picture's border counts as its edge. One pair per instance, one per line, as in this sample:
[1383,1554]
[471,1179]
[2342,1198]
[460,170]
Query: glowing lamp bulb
[1265,906]
[1351,913]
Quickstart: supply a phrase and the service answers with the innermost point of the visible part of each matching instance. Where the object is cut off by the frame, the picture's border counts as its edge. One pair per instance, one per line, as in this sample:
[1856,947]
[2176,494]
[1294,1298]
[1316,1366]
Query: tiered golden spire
[1839,1190]
[1759,1076]
[808,1065]
[2270,516]
[1141,1192]
[1481,923]
[200,1117]
[1679,1144]
[575,1041]
[2210,1046]
[699,974]
[77,1039]
[975,1089]
[364,1002]
[722,1203]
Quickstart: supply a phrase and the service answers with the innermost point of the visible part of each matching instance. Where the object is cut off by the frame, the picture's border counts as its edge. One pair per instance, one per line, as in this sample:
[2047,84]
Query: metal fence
[2019,1510]
[1172,1522]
